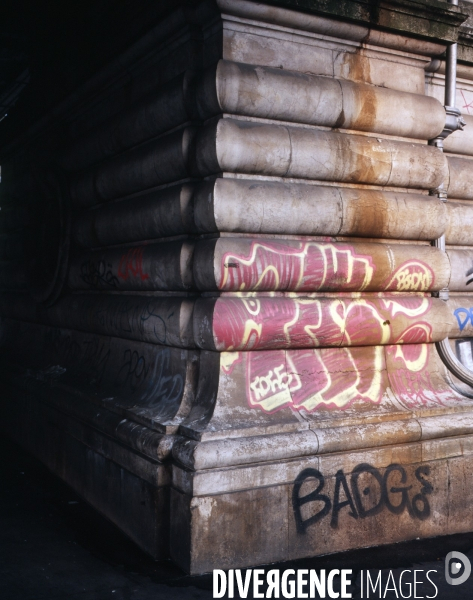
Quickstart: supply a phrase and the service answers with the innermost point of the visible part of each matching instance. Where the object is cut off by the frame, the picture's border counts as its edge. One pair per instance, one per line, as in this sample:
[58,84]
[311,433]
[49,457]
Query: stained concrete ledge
[54,546]
[419,18]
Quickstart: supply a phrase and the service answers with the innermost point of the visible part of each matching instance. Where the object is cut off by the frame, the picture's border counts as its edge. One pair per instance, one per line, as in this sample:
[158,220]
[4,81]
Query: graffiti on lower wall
[155,375]
[87,355]
[414,377]
[366,492]
[335,378]
[306,379]
[468,275]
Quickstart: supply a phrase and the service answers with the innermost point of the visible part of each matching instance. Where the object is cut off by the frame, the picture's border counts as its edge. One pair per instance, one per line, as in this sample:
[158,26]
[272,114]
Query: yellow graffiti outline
[250,326]
[395,307]
[413,365]
[246,303]
[227,359]
[341,322]
[427,271]
[348,394]
[298,302]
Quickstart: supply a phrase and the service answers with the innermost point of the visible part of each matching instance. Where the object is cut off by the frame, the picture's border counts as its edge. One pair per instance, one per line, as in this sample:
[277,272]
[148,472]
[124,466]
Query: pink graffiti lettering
[306,266]
[271,323]
[412,379]
[308,379]
[335,378]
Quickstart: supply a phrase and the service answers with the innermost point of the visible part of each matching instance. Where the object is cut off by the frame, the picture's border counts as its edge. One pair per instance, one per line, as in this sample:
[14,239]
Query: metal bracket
[453,122]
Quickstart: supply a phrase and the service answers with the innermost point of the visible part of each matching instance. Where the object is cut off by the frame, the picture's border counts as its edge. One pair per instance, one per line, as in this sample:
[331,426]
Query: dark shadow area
[54,546]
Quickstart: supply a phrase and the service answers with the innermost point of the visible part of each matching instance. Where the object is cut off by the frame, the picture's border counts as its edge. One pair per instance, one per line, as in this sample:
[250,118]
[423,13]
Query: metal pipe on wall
[451,70]
[453,122]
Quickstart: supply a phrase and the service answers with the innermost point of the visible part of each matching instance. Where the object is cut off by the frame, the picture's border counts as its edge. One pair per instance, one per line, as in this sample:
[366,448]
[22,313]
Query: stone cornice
[432,19]
[465,36]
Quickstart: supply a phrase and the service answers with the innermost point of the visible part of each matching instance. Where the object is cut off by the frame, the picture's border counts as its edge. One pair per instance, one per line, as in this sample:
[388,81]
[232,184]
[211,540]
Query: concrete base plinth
[333,503]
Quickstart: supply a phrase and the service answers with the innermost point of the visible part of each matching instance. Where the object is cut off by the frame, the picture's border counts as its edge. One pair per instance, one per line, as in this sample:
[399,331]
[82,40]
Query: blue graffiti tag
[464,315]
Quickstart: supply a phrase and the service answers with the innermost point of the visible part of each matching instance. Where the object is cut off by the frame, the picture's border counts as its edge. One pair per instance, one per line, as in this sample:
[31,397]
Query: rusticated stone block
[225,530]
[322,511]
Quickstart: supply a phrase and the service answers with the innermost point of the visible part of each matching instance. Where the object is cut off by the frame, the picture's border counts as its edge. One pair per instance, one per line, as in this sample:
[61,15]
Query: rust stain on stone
[366,117]
[371,216]
[368,161]
[357,67]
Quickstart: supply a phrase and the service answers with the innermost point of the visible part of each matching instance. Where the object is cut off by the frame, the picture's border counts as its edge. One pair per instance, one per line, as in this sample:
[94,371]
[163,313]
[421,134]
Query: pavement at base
[53,546]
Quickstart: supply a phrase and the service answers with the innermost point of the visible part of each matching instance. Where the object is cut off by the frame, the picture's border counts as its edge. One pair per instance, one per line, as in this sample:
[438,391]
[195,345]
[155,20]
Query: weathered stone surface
[159,320]
[421,18]
[255,206]
[149,216]
[459,182]
[258,206]
[256,148]
[308,20]
[325,509]
[121,374]
[290,96]
[248,309]
[147,267]
[225,512]
[461,262]
[460,220]
[461,142]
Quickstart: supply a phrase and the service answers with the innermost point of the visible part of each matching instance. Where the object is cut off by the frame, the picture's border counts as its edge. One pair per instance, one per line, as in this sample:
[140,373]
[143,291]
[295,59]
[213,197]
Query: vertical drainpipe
[453,122]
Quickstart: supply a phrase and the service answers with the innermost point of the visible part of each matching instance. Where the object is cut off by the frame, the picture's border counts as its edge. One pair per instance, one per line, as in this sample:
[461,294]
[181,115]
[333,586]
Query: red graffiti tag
[131,265]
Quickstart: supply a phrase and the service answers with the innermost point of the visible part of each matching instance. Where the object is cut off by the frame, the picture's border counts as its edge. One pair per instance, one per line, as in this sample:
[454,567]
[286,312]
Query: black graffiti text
[366,493]
[98,274]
